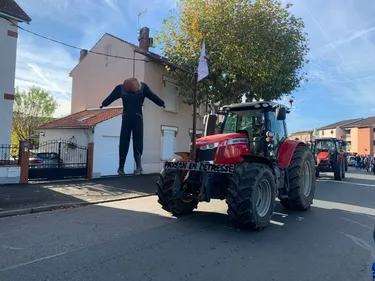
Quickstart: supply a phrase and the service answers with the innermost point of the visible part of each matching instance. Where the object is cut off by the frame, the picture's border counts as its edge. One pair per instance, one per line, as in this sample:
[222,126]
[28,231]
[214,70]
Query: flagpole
[200,74]
[194,135]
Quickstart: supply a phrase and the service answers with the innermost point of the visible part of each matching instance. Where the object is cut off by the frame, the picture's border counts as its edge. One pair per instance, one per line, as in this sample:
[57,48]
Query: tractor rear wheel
[251,196]
[302,179]
[175,206]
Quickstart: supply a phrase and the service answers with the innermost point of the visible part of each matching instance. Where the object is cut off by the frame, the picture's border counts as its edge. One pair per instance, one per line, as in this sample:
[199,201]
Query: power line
[71,46]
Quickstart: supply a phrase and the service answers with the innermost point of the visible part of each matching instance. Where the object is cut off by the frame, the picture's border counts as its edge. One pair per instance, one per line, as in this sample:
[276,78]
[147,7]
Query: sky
[341,71]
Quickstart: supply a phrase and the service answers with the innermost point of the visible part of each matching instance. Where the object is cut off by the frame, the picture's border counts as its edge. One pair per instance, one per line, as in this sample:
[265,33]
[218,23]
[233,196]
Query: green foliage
[257,49]
[31,109]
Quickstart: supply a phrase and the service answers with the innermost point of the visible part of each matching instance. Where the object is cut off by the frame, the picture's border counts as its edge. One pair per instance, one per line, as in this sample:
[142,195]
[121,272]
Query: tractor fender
[266,161]
[286,151]
[257,159]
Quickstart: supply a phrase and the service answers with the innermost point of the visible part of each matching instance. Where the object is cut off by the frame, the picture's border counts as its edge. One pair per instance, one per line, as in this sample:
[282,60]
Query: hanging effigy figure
[133,93]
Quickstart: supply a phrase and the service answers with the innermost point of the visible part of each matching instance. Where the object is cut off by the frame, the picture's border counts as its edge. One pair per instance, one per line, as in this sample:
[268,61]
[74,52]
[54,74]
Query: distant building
[304,136]
[335,130]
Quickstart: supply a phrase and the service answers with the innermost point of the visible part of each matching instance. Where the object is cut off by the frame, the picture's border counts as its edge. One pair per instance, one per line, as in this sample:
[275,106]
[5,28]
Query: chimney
[82,54]
[143,38]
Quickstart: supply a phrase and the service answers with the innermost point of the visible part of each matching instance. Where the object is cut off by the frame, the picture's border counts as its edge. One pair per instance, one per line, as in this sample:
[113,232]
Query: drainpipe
[134,63]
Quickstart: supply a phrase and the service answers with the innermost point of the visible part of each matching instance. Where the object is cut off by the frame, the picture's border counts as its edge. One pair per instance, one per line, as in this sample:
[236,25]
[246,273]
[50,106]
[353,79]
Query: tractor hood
[323,155]
[218,138]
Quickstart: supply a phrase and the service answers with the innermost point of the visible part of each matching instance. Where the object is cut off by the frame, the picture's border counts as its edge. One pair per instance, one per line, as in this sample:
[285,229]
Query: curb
[47,208]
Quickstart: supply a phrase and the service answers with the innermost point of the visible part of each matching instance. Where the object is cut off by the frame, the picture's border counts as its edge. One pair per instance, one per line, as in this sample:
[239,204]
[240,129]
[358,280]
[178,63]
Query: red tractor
[330,157]
[250,163]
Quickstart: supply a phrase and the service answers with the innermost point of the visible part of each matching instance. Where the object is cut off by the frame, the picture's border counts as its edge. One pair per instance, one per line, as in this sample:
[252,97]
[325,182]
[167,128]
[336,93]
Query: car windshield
[251,121]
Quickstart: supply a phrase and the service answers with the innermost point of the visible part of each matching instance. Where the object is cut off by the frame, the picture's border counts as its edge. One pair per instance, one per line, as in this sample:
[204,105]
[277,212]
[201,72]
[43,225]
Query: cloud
[47,66]
[344,62]
[79,23]
[341,71]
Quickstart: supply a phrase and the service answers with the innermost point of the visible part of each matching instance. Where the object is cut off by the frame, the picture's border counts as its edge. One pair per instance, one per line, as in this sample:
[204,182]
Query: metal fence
[9,155]
[58,159]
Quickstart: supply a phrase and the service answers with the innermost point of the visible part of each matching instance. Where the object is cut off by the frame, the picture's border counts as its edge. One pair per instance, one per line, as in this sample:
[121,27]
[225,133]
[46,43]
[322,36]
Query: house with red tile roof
[11,14]
[95,76]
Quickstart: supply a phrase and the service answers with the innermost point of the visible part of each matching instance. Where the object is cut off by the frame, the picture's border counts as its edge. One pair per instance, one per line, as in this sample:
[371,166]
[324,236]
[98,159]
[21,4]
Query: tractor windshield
[251,121]
[330,146]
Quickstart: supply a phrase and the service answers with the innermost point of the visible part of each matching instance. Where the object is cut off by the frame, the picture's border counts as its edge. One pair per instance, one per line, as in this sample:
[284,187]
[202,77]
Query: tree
[31,109]
[257,49]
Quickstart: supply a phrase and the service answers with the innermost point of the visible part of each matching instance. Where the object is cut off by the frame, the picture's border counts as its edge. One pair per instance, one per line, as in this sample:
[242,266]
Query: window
[168,142]
[170,96]
[250,121]
[326,145]
[322,133]
[277,126]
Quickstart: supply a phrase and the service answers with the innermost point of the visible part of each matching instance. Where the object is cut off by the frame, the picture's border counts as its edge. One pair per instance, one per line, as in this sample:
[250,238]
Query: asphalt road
[135,240]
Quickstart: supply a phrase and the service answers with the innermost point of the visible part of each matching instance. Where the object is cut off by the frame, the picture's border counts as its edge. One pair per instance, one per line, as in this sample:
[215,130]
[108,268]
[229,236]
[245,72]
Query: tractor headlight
[209,146]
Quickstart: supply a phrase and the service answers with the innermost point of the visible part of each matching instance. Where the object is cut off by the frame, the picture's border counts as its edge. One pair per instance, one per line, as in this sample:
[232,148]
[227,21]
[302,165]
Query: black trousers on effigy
[132,124]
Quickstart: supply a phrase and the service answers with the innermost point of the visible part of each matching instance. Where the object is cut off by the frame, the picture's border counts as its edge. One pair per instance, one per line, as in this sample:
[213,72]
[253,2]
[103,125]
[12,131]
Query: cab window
[276,126]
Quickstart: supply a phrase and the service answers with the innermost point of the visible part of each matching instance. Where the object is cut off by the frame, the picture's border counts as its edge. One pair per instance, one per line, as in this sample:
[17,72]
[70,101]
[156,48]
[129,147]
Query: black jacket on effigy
[132,102]
[132,119]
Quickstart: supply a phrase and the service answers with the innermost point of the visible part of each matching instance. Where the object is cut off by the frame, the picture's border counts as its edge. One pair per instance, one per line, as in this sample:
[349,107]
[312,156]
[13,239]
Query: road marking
[277,223]
[280,214]
[330,205]
[361,224]
[359,242]
[11,248]
[31,262]
[351,183]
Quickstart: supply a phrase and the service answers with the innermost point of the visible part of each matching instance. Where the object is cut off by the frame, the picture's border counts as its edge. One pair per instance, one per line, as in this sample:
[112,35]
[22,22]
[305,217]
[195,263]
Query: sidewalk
[39,197]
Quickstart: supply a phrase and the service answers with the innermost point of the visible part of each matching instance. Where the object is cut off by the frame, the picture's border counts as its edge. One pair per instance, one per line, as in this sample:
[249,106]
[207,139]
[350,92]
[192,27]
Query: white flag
[316,132]
[203,66]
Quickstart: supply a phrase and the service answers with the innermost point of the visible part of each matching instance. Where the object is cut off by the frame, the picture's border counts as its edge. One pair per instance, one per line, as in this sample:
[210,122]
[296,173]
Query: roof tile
[84,119]
[303,132]
[368,122]
[11,8]
[340,124]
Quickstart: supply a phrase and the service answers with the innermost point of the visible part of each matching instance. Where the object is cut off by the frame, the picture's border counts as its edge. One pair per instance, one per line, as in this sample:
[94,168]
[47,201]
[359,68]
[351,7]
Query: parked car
[351,161]
[45,160]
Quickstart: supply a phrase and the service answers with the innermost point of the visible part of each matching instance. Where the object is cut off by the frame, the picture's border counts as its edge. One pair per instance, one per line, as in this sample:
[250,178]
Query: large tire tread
[241,204]
[296,199]
[164,191]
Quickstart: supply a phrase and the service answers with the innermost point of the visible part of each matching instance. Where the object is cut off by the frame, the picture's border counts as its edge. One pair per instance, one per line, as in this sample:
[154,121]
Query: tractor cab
[329,156]
[255,128]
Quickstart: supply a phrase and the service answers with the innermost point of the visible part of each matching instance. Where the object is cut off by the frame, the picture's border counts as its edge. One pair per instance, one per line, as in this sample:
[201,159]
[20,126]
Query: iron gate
[58,159]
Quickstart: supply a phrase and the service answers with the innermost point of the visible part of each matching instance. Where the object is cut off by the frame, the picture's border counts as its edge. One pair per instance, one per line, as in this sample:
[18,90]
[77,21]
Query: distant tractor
[249,163]
[330,157]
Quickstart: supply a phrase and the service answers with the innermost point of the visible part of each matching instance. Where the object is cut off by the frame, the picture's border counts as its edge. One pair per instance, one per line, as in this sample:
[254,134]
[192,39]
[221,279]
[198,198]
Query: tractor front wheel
[338,172]
[302,179]
[251,196]
[175,206]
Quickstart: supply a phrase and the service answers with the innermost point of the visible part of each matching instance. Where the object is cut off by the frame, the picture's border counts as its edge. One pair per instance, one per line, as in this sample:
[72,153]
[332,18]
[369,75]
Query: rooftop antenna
[139,15]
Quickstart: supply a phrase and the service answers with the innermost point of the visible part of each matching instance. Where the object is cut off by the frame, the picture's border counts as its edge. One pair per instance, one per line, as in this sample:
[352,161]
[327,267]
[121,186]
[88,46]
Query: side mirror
[210,125]
[280,113]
